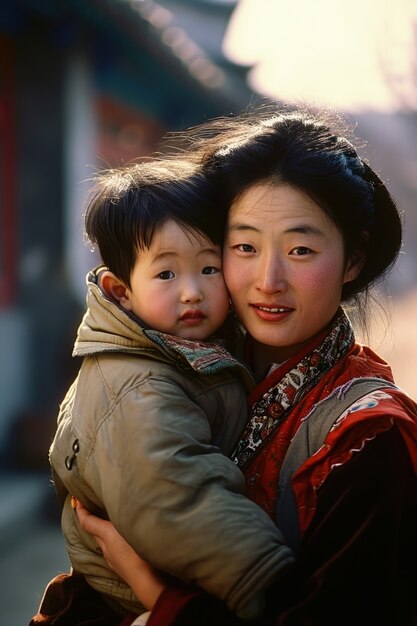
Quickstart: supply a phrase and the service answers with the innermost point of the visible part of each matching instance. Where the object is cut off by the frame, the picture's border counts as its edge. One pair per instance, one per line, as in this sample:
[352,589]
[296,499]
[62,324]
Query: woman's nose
[271,278]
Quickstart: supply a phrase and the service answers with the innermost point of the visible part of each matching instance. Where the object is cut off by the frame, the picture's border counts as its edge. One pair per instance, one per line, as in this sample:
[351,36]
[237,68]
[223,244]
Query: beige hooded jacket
[142,437]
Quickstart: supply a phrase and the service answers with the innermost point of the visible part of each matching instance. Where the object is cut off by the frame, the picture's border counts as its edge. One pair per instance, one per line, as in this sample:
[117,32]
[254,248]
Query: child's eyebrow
[214,251]
[170,254]
[161,256]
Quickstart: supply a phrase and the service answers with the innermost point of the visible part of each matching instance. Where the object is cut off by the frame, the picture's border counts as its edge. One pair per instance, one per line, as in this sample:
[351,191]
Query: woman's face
[284,266]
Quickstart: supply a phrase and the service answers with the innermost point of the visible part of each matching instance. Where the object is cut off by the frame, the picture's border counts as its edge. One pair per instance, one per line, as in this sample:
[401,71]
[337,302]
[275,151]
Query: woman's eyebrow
[304,229]
[238,226]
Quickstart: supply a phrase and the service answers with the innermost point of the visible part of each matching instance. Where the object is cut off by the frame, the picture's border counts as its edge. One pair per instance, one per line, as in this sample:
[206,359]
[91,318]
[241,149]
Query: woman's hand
[141,577]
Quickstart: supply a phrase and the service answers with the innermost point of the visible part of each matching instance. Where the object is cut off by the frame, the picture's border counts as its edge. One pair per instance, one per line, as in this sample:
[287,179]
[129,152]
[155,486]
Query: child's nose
[191,292]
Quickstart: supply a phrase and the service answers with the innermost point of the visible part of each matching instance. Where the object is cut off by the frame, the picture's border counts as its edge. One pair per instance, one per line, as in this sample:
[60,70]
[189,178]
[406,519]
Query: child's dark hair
[130,204]
[301,148]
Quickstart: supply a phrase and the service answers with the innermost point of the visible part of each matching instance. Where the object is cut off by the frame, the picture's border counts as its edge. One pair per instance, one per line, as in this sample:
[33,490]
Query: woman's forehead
[266,199]
[279,209]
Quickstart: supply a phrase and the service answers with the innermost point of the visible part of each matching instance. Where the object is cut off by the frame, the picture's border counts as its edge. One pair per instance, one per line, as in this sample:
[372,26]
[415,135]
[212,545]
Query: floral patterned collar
[282,389]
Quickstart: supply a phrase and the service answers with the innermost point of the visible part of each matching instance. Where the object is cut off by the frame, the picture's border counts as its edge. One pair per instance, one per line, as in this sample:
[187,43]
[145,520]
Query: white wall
[80,165]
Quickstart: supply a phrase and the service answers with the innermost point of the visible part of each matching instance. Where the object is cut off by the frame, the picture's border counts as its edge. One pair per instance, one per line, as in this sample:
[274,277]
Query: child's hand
[141,577]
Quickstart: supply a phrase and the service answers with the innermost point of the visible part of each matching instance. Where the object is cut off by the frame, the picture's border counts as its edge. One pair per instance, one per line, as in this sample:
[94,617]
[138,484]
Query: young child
[158,403]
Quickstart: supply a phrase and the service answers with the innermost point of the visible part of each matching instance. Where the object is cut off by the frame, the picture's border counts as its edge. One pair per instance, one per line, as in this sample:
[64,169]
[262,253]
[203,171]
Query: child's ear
[115,289]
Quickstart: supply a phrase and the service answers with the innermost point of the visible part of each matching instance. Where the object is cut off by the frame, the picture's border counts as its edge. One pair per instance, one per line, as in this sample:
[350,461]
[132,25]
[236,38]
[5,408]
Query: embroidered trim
[268,412]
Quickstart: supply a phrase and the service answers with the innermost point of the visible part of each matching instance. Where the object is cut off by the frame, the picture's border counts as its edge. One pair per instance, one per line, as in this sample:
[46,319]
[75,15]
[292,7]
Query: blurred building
[83,85]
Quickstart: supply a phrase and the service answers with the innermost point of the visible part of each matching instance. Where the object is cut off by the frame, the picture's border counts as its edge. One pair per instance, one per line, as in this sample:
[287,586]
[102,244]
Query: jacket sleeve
[180,502]
[356,563]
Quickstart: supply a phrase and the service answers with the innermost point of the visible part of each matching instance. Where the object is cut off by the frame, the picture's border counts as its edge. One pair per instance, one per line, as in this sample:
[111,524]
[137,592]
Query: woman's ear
[357,260]
[353,268]
[115,289]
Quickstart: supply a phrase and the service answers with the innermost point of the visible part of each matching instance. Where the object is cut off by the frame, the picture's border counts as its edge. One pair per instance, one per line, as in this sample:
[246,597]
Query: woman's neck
[262,357]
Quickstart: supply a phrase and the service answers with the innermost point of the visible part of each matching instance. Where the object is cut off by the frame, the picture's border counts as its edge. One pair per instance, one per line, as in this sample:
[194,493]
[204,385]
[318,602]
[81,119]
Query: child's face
[177,284]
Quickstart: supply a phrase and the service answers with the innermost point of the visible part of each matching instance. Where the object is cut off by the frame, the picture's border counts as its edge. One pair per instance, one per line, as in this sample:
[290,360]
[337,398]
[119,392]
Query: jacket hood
[106,327]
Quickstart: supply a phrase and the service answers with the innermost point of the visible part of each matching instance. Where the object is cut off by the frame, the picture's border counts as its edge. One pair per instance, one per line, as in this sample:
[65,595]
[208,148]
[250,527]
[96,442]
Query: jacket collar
[106,327]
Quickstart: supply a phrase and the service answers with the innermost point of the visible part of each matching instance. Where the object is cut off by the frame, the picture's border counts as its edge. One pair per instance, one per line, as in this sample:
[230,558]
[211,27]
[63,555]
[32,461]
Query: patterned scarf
[289,383]
[205,357]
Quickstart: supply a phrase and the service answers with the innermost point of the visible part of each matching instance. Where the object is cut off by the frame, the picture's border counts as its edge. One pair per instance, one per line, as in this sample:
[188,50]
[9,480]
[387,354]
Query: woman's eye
[210,269]
[166,275]
[245,247]
[300,251]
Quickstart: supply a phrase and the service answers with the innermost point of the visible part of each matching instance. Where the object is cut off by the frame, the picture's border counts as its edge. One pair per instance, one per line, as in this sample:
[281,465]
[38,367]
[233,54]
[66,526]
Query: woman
[310,226]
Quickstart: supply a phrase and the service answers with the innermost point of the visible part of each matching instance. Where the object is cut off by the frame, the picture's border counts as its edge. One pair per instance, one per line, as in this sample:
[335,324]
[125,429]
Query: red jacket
[367,418]
[357,503]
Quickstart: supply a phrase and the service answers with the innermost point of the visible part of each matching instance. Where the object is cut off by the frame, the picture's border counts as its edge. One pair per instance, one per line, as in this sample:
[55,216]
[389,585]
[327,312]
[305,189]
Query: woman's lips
[271,313]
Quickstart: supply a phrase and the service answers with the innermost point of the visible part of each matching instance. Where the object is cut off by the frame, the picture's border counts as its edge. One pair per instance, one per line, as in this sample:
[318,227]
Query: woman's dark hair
[130,204]
[300,148]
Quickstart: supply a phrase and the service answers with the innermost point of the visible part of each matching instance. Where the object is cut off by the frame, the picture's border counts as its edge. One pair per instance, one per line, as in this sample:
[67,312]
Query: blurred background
[86,84]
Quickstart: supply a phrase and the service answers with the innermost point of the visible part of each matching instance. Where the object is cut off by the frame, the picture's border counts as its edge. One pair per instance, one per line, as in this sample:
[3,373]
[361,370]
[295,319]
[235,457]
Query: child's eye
[210,269]
[301,251]
[166,275]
